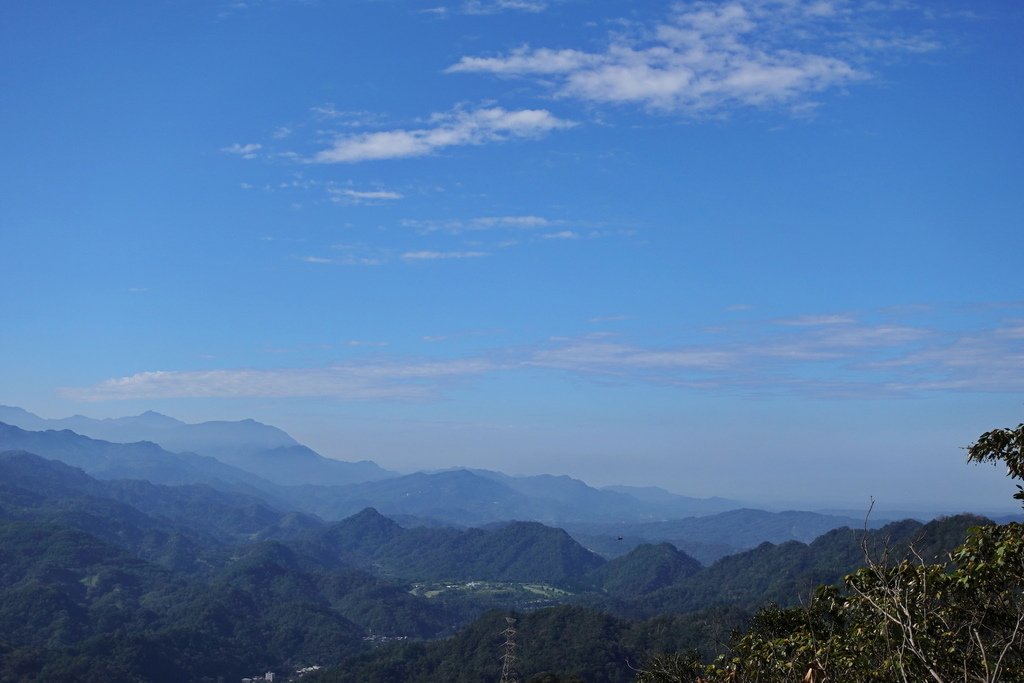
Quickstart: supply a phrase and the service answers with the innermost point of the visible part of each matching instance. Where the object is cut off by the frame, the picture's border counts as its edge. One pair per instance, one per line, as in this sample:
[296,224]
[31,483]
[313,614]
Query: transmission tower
[509,670]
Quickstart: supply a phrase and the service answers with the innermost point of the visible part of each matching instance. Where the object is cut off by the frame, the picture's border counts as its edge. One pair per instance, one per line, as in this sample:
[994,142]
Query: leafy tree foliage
[566,643]
[1002,445]
[906,620]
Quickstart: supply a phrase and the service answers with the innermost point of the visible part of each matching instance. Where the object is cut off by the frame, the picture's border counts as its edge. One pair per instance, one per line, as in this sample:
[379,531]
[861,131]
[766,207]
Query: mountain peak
[151,418]
[15,410]
[19,417]
[369,520]
[362,532]
[645,569]
[370,515]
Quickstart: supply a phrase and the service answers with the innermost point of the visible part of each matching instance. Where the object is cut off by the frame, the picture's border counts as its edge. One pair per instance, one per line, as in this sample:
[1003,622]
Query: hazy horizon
[869,506]
[752,249]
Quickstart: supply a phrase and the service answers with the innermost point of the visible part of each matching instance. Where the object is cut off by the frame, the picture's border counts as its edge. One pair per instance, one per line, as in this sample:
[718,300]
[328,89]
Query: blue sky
[759,249]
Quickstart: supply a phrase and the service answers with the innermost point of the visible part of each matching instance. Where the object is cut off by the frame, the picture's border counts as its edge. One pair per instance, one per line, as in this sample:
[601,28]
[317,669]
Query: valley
[130,561]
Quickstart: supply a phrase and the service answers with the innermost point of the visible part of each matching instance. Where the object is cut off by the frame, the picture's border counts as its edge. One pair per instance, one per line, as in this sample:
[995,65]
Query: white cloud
[561,235]
[706,57]
[590,356]
[364,342]
[441,255]
[347,118]
[349,381]
[496,6]
[372,194]
[449,129]
[523,61]
[523,222]
[818,320]
[820,9]
[849,359]
[351,255]
[247,151]
[827,356]
[349,196]
[456,226]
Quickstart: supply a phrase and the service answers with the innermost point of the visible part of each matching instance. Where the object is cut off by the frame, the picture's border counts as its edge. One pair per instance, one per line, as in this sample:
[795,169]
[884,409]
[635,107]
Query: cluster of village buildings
[271,676]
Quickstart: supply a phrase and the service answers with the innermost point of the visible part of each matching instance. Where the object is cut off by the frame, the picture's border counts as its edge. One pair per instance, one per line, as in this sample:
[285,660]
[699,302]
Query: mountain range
[250,445]
[263,462]
[123,579]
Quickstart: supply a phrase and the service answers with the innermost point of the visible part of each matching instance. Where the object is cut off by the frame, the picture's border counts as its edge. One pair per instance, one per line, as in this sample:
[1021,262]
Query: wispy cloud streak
[711,56]
[450,129]
[349,196]
[352,381]
[824,356]
[456,226]
[830,356]
[441,255]
[497,6]
[247,151]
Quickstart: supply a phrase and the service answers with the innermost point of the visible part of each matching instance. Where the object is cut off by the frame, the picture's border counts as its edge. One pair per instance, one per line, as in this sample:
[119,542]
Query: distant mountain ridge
[140,460]
[473,497]
[336,489]
[681,506]
[272,454]
[711,537]
[457,497]
[255,447]
[561,498]
[611,499]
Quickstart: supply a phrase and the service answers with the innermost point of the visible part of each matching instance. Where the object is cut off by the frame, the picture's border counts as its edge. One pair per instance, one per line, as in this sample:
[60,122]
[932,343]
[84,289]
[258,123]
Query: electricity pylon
[509,670]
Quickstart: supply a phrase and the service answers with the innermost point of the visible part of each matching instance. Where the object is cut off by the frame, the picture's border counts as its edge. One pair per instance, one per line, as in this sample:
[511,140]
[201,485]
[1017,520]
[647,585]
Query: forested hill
[145,518]
[171,525]
[645,569]
[788,573]
[130,581]
[574,643]
[516,551]
[557,645]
